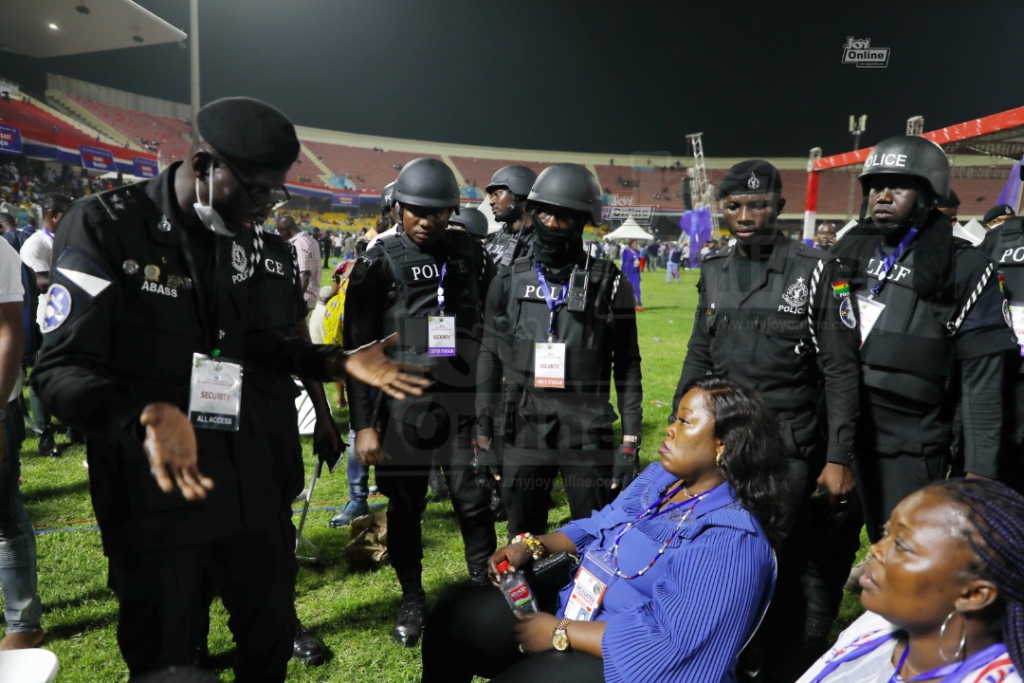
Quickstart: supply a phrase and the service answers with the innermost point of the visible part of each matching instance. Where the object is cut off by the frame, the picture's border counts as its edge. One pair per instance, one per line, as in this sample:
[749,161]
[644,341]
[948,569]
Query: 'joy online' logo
[858,51]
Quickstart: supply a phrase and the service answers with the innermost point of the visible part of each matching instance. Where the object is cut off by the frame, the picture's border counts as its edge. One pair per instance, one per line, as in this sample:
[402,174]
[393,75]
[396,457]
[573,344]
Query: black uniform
[138,292]
[394,287]
[785,326]
[922,355]
[1004,244]
[542,430]
[505,246]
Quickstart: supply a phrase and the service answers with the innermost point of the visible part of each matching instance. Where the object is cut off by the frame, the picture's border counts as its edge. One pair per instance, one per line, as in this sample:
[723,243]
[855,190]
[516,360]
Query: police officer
[1004,244]
[472,221]
[932,320]
[508,189]
[559,326]
[774,315]
[428,283]
[146,277]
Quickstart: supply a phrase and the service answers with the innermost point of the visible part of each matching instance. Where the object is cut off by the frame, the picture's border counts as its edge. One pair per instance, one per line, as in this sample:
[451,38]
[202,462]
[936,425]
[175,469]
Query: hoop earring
[963,637]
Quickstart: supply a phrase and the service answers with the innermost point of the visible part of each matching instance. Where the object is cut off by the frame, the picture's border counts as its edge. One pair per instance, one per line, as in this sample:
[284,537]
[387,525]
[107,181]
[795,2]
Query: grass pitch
[350,611]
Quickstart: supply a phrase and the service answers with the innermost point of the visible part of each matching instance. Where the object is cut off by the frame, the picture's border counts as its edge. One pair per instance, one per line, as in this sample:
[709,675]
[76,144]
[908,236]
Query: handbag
[552,573]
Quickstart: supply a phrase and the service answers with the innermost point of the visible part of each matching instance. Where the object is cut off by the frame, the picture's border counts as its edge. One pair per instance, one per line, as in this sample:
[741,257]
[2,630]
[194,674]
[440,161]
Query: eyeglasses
[273,197]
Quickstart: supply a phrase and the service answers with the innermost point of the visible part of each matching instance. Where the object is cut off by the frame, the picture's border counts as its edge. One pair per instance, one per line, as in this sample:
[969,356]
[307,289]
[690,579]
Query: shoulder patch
[846,313]
[359,270]
[58,308]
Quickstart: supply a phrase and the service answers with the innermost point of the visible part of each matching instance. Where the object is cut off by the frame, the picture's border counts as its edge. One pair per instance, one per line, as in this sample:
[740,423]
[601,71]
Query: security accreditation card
[549,365]
[440,335]
[870,311]
[215,397]
[592,580]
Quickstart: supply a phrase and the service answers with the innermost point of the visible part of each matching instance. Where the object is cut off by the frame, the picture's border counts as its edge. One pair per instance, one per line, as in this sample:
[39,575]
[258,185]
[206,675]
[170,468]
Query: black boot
[438,486]
[409,624]
[47,447]
[478,575]
[307,648]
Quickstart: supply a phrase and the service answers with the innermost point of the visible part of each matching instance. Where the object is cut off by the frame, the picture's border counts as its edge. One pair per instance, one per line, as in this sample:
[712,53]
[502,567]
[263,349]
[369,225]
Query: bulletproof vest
[909,351]
[586,333]
[273,287]
[762,338]
[505,246]
[417,276]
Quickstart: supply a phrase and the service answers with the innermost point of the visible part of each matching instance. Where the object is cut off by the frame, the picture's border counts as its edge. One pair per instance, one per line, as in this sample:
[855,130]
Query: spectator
[826,235]
[675,256]
[308,252]
[631,269]
[672,610]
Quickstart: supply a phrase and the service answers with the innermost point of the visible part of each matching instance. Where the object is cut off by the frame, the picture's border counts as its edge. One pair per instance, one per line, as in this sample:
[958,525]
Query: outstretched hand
[369,365]
[170,445]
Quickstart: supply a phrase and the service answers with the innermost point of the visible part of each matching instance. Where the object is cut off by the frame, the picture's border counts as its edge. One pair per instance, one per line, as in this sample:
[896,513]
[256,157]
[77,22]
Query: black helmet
[570,186]
[909,155]
[473,220]
[516,179]
[427,182]
[387,199]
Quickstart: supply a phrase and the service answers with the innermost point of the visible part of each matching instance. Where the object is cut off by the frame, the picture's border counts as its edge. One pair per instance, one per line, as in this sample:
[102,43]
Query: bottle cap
[503,566]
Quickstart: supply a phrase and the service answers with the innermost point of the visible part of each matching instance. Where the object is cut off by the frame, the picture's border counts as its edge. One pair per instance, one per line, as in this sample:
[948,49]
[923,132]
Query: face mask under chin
[557,247]
[209,215]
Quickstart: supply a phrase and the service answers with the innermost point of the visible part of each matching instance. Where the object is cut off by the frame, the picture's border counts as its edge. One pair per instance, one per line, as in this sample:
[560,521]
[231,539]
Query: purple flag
[697,225]
[1011,191]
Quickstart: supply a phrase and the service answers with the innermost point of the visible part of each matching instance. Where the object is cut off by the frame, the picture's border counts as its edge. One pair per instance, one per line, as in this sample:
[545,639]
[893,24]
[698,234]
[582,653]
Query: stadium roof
[27,27]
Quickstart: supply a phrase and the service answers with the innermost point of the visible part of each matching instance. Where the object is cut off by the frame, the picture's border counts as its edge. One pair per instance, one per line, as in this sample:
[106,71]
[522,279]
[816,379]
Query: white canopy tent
[629,230]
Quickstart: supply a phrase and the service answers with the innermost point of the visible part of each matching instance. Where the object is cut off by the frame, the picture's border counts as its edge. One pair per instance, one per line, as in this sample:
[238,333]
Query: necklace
[649,513]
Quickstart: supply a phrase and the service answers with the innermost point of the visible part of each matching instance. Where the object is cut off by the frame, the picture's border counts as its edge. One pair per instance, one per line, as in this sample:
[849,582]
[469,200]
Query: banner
[10,139]
[344,199]
[144,168]
[641,214]
[96,159]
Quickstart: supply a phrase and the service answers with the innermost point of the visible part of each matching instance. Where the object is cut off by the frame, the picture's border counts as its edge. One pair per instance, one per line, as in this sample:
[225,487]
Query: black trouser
[527,477]
[883,480]
[403,479]
[469,633]
[161,603]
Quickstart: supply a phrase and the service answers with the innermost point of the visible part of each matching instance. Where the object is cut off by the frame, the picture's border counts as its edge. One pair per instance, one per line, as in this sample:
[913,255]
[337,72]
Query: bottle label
[520,595]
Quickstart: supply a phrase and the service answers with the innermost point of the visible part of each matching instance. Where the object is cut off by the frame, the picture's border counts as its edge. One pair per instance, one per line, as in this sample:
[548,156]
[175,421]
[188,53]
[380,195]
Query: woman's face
[920,566]
[690,446]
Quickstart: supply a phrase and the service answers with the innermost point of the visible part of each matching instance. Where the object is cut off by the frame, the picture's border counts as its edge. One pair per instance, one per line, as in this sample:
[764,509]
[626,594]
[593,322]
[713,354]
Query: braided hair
[754,461]
[996,534]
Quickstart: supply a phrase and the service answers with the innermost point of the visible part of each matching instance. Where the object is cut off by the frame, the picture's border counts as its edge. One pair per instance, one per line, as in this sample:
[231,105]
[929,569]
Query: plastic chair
[28,666]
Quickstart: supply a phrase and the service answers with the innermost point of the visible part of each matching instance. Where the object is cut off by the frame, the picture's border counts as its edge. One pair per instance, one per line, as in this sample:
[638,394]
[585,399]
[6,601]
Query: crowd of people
[872,380]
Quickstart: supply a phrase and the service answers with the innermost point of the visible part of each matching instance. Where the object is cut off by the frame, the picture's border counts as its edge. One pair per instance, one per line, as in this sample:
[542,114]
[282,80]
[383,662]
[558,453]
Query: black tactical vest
[505,246]
[274,286]
[1005,246]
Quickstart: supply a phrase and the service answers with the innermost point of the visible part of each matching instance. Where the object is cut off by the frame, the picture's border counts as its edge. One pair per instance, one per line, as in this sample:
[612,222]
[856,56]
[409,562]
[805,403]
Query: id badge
[870,311]
[1017,323]
[440,336]
[549,365]
[593,577]
[215,396]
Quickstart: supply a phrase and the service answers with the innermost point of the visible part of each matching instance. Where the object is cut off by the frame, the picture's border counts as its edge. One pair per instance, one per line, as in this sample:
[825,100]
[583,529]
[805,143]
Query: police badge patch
[846,313]
[58,307]
[238,257]
[753,183]
[796,294]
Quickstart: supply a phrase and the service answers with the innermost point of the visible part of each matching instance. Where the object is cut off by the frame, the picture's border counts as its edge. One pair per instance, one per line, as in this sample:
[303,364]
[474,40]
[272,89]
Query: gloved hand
[627,465]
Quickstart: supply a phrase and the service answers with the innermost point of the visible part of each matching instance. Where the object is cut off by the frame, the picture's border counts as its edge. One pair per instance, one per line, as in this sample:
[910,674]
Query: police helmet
[387,198]
[473,220]
[427,182]
[909,155]
[569,186]
[516,179]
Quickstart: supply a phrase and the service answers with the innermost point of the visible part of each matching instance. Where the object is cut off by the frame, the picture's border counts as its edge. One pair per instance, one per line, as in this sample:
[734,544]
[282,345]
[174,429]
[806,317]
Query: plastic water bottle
[516,590]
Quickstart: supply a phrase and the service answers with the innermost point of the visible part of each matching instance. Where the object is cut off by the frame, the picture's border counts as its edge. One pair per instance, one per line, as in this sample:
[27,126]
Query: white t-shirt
[11,290]
[37,252]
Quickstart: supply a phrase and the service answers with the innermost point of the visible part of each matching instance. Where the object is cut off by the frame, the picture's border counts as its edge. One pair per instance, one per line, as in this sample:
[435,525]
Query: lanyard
[551,301]
[48,234]
[889,261]
[951,673]
[440,288]
[646,515]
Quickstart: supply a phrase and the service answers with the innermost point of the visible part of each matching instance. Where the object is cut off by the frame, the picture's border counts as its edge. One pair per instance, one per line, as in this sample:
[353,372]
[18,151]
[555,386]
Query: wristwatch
[560,636]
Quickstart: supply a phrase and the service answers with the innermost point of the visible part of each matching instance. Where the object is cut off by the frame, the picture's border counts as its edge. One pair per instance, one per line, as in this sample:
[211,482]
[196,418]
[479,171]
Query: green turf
[351,611]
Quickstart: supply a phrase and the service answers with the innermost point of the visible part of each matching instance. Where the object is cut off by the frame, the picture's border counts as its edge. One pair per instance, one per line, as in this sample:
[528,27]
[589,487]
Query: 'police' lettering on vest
[275,267]
[896,273]
[1012,255]
[532,292]
[428,271]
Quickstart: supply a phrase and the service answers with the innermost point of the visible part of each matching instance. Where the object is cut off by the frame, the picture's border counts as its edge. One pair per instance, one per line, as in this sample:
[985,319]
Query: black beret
[997,211]
[249,131]
[754,176]
[950,202]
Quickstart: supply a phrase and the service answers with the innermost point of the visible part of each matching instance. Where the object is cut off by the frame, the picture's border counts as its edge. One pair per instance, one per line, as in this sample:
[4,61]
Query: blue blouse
[688,617]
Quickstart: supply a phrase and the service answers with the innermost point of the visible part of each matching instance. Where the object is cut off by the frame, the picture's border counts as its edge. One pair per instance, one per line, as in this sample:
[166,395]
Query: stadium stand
[173,135]
[23,114]
[363,167]
[479,171]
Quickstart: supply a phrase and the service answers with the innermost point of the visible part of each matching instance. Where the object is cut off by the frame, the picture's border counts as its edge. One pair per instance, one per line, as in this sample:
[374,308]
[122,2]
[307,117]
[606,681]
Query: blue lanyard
[440,288]
[48,234]
[951,673]
[889,261]
[551,301]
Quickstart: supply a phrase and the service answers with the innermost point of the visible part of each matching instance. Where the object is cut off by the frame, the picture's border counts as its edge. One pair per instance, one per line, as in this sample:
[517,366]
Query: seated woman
[944,590]
[687,549]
